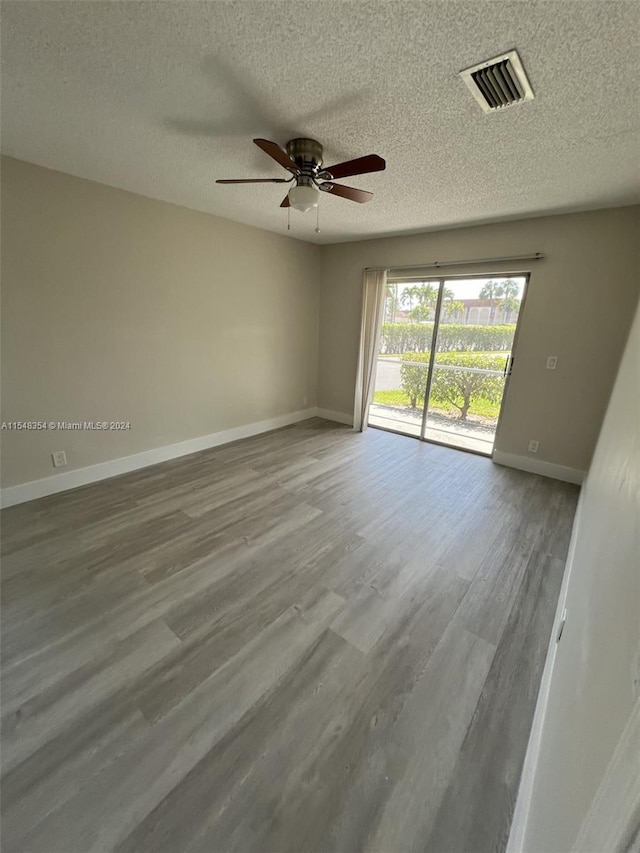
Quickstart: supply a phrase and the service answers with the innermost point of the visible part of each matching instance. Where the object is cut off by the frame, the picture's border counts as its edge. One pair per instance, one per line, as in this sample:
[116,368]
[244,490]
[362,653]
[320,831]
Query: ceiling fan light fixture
[303,197]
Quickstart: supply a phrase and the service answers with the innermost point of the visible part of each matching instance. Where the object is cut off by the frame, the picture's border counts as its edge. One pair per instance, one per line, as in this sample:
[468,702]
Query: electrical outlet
[552,362]
[305,401]
[59,459]
[533,446]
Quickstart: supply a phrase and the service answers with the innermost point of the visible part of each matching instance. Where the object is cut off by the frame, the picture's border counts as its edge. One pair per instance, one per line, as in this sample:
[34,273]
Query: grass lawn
[480,406]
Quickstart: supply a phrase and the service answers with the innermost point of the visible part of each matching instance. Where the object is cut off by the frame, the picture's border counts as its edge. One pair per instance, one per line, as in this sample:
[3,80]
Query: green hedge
[452,337]
[414,379]
[458,388]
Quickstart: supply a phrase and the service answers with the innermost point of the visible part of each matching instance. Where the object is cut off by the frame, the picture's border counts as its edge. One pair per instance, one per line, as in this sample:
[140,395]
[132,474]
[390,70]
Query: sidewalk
[440,428]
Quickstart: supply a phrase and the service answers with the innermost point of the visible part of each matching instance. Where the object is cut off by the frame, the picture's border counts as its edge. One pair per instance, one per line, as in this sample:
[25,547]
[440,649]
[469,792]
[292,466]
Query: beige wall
[578,307]
[118,307]
[595,682]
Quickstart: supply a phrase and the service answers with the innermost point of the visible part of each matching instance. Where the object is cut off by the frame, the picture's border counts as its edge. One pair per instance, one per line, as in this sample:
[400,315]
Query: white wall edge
[517,834]
[338,417]
[539,466]
[612,820]
[112,468]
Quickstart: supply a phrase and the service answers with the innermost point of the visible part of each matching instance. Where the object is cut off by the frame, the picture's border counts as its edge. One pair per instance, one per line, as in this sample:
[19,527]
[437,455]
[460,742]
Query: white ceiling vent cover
[499,82]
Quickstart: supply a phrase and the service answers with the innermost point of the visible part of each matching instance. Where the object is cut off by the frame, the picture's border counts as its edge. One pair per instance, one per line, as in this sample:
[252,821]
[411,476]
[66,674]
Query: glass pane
[403,362]
[474,343]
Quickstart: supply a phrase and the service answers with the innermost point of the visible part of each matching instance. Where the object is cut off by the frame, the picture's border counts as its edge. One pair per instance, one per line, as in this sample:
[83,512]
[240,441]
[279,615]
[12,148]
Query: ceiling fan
[303,158]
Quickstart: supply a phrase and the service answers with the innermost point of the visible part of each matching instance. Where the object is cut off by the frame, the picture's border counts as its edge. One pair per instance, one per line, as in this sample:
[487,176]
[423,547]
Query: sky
[470,288]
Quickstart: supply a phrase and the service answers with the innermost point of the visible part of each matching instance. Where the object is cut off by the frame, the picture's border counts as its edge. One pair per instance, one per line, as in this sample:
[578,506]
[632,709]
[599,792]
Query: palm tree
[510,287]
[427,295]
[453,310]
[391,302]
[420,314]
[492,291]
[409,294]
[510,303]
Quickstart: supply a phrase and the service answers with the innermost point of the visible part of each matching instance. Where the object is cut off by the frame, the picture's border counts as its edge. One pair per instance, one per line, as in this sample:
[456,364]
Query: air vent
[499,82]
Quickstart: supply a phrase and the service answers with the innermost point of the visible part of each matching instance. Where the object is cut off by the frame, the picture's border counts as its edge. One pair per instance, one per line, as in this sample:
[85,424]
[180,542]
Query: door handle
[508,366]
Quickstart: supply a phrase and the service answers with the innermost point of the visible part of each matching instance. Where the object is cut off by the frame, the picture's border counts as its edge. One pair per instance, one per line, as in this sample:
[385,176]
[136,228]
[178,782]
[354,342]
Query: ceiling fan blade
[285,201]
[359,166]
[278,153]
[253,181]
[347,192]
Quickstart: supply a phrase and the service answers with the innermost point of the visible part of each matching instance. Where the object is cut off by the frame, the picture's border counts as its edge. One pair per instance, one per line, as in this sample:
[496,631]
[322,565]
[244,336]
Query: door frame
[440,280]
[525,290]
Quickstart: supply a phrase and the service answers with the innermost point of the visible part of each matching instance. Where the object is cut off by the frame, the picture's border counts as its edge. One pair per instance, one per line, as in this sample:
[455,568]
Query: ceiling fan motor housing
[307,154]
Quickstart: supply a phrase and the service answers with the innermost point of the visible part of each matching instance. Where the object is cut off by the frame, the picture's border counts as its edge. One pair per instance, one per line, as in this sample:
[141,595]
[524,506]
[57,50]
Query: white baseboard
[539,466]
[338,417]
[517,834]
[103,470]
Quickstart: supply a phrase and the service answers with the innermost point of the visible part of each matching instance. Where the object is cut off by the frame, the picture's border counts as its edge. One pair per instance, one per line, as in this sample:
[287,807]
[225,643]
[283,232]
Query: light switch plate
[59,459]
[552,362]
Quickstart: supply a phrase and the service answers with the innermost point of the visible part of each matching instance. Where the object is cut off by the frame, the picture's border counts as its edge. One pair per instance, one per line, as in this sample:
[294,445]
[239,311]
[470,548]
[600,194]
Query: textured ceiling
[162,98]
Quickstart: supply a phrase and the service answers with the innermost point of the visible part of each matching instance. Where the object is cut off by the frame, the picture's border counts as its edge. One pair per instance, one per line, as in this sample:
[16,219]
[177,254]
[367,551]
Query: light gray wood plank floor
[311,640]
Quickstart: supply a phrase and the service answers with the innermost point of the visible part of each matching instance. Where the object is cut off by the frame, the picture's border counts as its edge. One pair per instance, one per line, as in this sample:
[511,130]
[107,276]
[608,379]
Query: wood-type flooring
[311,640]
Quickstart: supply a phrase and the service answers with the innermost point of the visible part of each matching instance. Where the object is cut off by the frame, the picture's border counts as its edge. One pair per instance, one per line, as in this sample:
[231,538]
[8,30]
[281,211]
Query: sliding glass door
[406,344]
[446,352]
